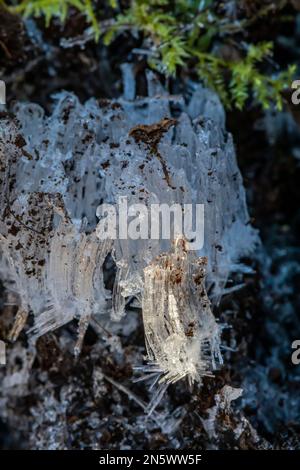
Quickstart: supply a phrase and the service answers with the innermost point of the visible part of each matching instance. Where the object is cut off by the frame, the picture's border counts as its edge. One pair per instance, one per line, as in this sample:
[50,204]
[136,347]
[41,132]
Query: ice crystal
[223,403]
[58,172]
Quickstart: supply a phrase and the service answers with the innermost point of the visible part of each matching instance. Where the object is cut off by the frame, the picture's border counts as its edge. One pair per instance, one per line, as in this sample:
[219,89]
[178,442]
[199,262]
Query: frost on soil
[58,171]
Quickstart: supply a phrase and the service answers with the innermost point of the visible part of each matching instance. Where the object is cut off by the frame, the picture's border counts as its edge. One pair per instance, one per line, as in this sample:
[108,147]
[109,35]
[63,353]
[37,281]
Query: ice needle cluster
[57,173]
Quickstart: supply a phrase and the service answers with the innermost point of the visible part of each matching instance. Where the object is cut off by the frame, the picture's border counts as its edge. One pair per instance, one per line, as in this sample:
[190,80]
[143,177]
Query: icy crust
[58,171]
